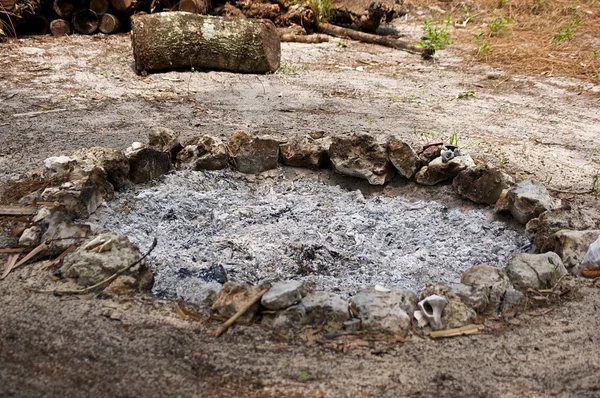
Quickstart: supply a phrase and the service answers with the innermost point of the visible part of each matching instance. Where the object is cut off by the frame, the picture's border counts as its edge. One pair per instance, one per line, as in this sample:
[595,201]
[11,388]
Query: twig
[469,329]
[569,192]
[13,250]
[107,280]
[31,114]
[10,264]
[31,254]
[219,331]
[314,38]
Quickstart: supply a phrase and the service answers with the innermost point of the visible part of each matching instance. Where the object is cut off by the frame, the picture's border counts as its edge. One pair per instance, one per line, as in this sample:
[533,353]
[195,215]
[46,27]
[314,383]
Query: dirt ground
[532,126]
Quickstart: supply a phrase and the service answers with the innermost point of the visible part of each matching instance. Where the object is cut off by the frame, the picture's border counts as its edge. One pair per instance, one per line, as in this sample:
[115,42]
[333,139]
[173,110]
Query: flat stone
[307,152]
[104,255]
[232,297]
[438,170]
[541,229]
[361,156]
[201,294]
[529,199]
[429,153]
[482,184]
[31,236]
[113,162]
[457,314]
[475,297]
[206,153]
[146,164]
[384,311]
[253,155]
[490,281]
[283,294]
[536,271]
[572,246]
[404,158]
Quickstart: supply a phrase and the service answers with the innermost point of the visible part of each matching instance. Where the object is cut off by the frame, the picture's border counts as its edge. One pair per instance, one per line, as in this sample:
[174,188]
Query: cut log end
[194,6]
[109,24]
[85,21]
[65,8]
[100,7]
[122,6]
[60,27]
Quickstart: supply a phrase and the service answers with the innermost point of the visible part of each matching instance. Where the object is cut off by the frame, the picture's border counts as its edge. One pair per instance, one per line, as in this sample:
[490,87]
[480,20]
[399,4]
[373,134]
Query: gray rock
[162,139]
[490,281]
[283,294]
[202,294]
[528,199]
[324,308]
[61,230]
[513,297]
[292,317]
[384,311]
[206,153]
[404,158]
[482,184]
[58,167]
[536,271]
[572,246]
[361,156]
[113,162]
[353,325]
[437,171]
[104,255]
[31,236]
[80,198]
[146,164]
[541,229]
[475,297]
[457,314]
[306,152]
[253,155]
[232,297]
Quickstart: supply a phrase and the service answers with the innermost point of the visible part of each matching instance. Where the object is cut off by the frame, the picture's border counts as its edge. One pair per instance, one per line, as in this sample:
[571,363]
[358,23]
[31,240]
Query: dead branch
[219,331]
[465,330]
[315,38]
[31,114]
[103,282]
[374,39]
[17,210]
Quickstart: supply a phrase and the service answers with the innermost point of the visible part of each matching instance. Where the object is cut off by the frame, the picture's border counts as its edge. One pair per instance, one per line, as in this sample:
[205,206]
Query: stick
[13,250]
[469,329]
[374,39]
[31,114]
[17,210]
[31,254]
[219,331]
[107,280]
[10,263]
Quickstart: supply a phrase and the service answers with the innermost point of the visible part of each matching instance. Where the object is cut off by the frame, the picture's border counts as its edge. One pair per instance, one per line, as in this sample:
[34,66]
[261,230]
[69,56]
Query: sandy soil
[52,346]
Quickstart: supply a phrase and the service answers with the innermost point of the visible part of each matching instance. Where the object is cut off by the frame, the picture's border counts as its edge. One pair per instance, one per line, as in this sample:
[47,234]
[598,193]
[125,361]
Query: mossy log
[182,40]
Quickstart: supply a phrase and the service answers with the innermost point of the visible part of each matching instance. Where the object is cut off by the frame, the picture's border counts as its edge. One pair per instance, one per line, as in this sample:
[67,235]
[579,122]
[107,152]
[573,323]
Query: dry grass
[550,37]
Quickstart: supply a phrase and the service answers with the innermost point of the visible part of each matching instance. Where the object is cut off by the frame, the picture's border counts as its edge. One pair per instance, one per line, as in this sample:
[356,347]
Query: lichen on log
[182,40]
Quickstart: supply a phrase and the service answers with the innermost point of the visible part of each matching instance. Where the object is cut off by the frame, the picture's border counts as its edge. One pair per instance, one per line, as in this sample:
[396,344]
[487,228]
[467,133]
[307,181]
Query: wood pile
[295,20]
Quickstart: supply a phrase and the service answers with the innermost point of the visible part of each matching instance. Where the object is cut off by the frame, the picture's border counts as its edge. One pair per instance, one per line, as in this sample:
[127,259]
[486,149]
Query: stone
[482,184]
[541,229]
[113,162]
[306,152]
[200,293]
[457,314]
[283,294]
[535,271]
[404,158]
[513,297]
[81,197]
[361,156]
[146,164]
[61,230]
[324,308]
[475,297]
[252,155]
[292,317]
[164,140]
[489,281]
[572,246]
[206,153]
[233,297]
[58,167]
[528,199]
[31,236]
[384,311]
[124,285]
[353,325]
[438,170]
[429,153]
[102,256]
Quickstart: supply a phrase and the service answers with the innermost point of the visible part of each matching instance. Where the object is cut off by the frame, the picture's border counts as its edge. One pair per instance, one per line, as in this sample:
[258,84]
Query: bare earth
[51,346]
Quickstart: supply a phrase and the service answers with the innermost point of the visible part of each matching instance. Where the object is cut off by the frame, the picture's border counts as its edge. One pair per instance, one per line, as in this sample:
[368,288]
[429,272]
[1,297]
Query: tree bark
[194,6]
[85,21]
[374,39]
[60,27]
[109,24]
[100,7]
[181,40]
